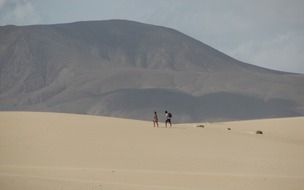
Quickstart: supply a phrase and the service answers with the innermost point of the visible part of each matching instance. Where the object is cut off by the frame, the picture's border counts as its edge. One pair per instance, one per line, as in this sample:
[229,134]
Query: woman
[155,120]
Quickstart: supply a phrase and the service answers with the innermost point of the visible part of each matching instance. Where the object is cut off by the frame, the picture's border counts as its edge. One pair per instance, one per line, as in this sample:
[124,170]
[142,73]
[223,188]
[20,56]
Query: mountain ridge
[46,66]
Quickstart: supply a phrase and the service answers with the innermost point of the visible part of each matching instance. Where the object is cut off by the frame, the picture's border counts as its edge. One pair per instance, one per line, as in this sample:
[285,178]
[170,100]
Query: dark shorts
[168,120]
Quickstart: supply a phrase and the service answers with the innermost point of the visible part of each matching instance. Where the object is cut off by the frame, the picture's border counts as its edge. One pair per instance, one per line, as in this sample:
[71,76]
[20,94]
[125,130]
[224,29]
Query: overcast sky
[268,33]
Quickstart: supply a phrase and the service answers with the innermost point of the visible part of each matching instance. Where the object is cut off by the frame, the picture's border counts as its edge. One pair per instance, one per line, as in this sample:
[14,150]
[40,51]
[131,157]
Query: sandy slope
[62,151]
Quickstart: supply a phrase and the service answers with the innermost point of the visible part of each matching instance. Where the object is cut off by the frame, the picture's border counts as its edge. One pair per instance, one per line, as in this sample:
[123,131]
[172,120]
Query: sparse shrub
[201,126]
[259,132]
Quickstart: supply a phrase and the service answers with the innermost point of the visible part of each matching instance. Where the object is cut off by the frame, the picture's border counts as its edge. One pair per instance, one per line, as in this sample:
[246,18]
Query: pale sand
[64,151]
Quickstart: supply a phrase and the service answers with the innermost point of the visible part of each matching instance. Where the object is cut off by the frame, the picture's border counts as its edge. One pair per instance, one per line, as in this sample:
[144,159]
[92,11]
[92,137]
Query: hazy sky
[268,33]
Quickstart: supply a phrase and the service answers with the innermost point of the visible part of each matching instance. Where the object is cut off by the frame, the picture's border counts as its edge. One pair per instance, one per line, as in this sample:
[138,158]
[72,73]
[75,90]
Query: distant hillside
[129,69]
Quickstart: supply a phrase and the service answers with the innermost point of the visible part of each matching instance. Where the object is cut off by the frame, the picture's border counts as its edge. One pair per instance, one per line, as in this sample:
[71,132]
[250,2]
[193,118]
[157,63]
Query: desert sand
[67,151]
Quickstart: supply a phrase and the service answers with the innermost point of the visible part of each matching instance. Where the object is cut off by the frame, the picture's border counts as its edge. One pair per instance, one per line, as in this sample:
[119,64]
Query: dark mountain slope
[88,67]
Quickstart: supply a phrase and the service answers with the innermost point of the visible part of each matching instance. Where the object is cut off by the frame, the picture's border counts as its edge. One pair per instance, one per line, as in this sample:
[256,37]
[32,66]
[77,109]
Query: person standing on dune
[168,118]
[155,120]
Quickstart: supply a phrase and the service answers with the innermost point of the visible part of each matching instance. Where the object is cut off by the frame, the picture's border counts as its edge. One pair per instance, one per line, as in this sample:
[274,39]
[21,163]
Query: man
[168,118]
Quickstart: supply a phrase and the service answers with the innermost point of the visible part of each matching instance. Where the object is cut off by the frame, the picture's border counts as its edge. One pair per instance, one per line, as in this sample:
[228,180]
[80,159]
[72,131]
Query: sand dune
[66,151]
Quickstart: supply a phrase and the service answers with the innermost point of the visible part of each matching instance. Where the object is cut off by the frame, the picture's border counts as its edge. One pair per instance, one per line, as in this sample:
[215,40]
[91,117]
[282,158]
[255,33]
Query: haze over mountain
[129,69]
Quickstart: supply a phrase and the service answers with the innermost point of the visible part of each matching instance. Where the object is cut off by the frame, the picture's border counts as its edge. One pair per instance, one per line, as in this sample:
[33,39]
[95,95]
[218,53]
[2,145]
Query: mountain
[129,69]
